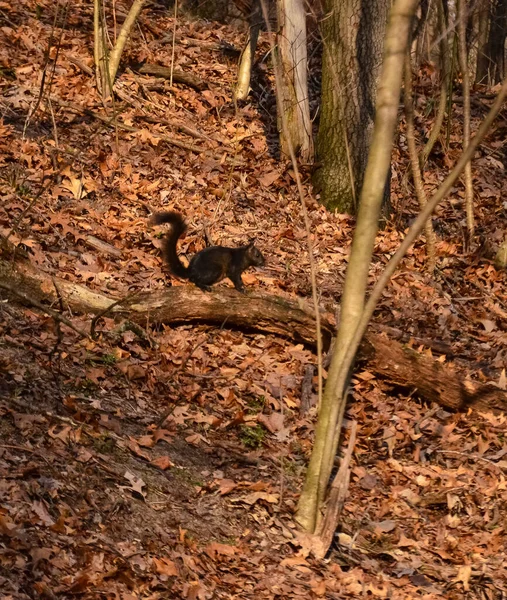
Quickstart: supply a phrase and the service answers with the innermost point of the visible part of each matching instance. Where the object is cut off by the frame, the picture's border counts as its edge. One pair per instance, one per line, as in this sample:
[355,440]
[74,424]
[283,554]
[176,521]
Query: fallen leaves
[123,470]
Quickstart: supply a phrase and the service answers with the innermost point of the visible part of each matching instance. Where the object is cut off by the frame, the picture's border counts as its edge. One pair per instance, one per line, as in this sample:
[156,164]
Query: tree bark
[463,60]
[491,58]
[107,65]
[353,36]
[291,44]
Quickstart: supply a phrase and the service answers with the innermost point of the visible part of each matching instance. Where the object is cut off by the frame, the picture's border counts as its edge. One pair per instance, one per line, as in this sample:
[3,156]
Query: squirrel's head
[255,257]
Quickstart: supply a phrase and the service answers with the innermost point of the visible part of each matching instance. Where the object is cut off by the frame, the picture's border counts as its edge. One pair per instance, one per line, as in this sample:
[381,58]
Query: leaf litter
[169,463]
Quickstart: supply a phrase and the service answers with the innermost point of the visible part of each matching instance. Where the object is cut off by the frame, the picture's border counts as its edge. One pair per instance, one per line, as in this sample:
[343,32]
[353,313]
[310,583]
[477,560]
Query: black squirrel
[209,265]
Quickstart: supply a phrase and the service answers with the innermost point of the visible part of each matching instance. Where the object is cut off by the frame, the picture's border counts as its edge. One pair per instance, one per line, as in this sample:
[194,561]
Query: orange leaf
[166,567]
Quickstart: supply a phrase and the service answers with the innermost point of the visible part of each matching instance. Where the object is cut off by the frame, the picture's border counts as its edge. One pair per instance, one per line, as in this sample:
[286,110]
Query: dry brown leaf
[214,549]
[162,462]
[166,567]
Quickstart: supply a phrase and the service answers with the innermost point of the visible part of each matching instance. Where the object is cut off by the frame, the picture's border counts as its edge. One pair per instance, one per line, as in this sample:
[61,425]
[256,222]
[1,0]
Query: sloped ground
[167,461]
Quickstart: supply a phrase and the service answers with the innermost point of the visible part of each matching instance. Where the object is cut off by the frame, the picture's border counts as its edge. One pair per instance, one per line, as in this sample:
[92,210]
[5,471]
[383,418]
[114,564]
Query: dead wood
[177,126]
[114,122]
[306,390]
[178,76]
[102,246]
[432,380]
[337,495]
[81,65]
[404,337]
[253,310]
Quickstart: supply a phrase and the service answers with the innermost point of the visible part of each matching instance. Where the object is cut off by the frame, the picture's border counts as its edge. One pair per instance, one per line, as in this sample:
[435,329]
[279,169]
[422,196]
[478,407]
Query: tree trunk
[353,298]
[353,35]
[491,56]
[291,44]
[445,83]
[465,78]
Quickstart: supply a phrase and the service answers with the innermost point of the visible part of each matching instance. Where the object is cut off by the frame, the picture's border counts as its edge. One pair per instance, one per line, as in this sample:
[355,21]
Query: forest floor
[166,462]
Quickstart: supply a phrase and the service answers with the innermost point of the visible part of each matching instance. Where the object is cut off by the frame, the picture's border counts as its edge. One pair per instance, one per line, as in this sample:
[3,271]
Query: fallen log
[432,380]
[178,304]
[177,76]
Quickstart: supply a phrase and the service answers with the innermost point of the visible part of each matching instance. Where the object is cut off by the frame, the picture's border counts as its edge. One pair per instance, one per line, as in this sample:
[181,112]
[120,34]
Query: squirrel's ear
[251,242]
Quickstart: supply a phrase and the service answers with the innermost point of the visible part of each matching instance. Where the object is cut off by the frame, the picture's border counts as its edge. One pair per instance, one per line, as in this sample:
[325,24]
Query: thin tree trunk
[424,29]
[116,52]
[445,76]
[414,162]
[301,193]
[98,45]
[335,394]
[107,66]
[469,186]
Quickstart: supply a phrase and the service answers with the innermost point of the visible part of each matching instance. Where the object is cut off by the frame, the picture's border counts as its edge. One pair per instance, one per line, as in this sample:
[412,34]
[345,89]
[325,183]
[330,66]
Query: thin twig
[59,333]
[472,456]
[173,42]
[282,462]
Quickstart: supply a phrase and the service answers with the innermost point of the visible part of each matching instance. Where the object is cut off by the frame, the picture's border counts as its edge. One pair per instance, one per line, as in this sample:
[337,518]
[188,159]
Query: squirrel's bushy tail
[169,253]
